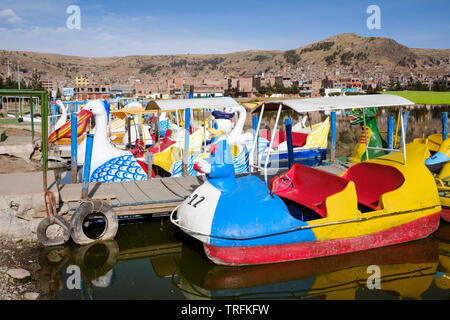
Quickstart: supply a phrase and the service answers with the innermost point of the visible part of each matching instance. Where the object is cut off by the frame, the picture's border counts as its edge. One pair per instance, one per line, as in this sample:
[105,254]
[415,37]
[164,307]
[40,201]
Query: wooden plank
[72,192]
[125,211]
[157,191]
[176,188]
[121,193]
[135,191]
[189,183]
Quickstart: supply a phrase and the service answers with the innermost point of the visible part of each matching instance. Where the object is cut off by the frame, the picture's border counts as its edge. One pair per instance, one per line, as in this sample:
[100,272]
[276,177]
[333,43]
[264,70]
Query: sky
[120,28]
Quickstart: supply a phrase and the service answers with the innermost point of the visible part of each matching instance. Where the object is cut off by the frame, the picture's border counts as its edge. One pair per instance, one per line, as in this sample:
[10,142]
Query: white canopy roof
[337,103]
[198,103]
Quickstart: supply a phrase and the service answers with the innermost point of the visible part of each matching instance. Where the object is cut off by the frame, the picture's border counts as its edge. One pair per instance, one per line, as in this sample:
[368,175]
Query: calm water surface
[153,260]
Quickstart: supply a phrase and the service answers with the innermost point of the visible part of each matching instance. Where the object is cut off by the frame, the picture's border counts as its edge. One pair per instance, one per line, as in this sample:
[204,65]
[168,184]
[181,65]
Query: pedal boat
[307,213]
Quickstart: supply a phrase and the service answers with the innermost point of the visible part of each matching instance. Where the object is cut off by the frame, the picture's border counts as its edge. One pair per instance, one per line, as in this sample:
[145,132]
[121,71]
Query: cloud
[10,16]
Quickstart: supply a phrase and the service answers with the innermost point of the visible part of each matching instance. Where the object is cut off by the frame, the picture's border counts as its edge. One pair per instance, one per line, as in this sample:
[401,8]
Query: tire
[90,207]
[84,256]
[42,231]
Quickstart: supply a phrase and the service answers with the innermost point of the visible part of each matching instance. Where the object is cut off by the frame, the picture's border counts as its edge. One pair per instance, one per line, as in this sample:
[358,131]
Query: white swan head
[98,108]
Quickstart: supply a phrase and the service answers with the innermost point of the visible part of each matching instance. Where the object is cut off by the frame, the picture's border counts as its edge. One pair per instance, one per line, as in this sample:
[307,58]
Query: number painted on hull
[194,197]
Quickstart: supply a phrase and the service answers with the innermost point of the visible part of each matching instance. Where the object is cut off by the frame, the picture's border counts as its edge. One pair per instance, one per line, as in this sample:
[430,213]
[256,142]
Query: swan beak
[64,132]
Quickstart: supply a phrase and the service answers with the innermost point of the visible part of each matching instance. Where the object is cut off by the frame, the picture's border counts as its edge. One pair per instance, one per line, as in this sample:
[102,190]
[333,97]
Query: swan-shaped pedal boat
[307,213]
[108,163]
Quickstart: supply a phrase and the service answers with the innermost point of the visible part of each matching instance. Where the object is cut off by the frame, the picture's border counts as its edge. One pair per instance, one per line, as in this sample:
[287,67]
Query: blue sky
[117,28]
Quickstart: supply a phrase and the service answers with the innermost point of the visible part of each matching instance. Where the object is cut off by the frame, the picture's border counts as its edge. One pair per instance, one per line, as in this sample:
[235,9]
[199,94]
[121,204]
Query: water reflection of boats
[442,278]
[406,271]
[156,241]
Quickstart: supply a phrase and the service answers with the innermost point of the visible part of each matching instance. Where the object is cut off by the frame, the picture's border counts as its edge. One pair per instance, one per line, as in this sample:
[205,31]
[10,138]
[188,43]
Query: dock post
[444,125]
[333,137]
[390,133]
[187,120]
[128,122]
[255,133]
[73,146]
[288,125]
[87,165]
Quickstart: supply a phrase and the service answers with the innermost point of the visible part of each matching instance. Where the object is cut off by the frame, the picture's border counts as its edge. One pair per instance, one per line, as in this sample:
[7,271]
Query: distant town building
[81,81]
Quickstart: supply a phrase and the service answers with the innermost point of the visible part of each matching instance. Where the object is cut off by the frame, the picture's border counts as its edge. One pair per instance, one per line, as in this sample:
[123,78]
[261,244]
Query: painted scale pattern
[177,168]
[123,168]
[164,125]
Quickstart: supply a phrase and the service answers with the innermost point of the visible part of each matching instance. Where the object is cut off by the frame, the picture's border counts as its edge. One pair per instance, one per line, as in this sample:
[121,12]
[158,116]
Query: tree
[439,87]
[1,83]
[36,83]
[10,83]
[292,57]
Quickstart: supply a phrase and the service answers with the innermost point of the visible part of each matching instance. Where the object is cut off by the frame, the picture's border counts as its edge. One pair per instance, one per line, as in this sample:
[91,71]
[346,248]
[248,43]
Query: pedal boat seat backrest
[310,187]
[164,144]
[373,180]
[298,139]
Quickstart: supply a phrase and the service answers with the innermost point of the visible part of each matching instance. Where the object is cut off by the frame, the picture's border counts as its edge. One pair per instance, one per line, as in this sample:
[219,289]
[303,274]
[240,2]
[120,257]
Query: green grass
[423,97]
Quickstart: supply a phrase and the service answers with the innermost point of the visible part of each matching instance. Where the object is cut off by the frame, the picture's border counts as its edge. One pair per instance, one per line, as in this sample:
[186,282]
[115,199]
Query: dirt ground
[11,164]
[21,255]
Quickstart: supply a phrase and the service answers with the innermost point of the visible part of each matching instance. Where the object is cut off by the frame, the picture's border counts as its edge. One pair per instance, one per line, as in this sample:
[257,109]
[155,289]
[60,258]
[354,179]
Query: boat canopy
[196,103]
[122,113]
[335,103]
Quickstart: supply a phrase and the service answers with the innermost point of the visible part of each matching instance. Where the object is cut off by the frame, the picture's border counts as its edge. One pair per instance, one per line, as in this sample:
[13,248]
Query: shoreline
[23,256]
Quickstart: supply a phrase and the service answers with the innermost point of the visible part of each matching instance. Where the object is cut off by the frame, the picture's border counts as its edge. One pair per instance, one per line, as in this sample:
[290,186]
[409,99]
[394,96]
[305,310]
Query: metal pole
[129,131]
[32,118]
[390,133]
[187,120]
[365,134]
[157,127]
[424,121]
[405,120]
[73,146]
[288,125]
[271,142]
[44,133]
[87,165]
[255,140]
[333,137]
[444,125]
[403,137]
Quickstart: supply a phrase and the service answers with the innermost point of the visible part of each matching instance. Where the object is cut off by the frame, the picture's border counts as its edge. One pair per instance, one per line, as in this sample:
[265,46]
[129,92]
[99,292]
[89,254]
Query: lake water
[153,260]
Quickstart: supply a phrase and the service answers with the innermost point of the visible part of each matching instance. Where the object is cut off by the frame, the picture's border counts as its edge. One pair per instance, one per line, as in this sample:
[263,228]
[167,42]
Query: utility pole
[18,82]
[9,73]
[18,73]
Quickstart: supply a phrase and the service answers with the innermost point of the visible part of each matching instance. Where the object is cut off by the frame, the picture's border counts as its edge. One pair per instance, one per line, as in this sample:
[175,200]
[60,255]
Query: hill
[362,54]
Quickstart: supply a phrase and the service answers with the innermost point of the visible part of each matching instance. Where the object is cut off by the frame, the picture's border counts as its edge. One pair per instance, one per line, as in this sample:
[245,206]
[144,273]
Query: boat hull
[249,255]
[445,214]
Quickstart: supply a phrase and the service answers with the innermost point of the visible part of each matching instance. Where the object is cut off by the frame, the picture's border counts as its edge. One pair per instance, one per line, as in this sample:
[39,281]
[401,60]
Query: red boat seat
[164,144]
[279,138]
[265,133]
[372,180]
[299,139]
[311,187]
